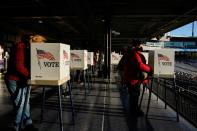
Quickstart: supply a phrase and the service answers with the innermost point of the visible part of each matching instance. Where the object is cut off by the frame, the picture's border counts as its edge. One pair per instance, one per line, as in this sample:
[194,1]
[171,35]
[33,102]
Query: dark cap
[25,38]
[136,42]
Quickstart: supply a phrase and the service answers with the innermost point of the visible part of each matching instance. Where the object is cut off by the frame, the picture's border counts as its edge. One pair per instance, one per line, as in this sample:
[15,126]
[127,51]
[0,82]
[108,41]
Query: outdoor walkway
[104,109]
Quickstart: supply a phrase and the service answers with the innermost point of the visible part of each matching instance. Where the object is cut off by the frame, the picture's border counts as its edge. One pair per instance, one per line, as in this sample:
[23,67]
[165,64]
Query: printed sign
[79,59]
[162,62]
[50,61]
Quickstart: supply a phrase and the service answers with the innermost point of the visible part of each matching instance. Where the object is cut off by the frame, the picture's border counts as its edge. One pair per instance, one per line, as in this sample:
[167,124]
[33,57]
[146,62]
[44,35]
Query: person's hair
[136,42]
[37,38]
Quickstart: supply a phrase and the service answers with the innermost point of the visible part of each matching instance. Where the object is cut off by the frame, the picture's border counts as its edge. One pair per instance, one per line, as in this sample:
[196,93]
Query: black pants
[79,76]
[134,93]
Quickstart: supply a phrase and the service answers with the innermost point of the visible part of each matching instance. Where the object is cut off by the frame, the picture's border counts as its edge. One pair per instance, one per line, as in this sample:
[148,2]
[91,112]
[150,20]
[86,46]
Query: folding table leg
[60,108]
[176,99]
[71,102]
[43,103]
[84,75]
[144,86]
[149,98]
[165,86]
[88,77]
[158,85]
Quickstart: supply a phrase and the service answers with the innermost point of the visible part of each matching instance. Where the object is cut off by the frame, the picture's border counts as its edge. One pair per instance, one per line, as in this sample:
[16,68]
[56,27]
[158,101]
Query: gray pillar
[193,28]
[107,50]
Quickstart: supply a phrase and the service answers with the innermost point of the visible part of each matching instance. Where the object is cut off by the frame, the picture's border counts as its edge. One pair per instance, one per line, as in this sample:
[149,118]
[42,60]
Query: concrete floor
[104,109]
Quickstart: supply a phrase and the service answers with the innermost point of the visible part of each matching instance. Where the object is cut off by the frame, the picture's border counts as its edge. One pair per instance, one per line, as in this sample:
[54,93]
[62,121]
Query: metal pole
[149,98]
[107,41]
[60,108]
[71,101]
[84,77]
[43,103]
[193,28]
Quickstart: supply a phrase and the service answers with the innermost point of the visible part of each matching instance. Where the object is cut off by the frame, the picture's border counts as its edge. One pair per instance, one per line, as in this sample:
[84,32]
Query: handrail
[180,88]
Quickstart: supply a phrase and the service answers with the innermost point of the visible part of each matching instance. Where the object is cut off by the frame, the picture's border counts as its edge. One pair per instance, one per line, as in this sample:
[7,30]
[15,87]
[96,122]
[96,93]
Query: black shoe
[30,128]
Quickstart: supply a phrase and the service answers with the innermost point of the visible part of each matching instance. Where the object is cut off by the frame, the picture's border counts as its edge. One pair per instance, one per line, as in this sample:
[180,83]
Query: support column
[107,51]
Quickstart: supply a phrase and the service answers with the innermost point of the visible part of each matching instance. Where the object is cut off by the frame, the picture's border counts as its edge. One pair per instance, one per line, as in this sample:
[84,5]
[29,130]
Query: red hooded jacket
[19,63]
[133,64]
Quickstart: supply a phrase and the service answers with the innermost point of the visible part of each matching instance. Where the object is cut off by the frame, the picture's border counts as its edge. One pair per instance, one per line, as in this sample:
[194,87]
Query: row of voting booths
[53,61]
[51,66]
[82,60]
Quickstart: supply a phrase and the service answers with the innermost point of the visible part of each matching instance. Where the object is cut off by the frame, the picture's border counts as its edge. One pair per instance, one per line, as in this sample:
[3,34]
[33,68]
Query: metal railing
[187,97]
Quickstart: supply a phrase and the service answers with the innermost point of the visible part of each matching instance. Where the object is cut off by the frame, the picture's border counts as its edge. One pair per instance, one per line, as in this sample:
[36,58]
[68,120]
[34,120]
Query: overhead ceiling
[81,22]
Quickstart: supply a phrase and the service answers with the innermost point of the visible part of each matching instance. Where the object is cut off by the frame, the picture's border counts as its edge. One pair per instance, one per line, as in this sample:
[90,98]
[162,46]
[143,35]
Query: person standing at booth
[135,72]
[16,77]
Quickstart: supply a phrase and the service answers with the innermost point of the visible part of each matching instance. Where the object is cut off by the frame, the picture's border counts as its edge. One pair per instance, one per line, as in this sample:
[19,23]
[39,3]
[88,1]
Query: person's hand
[145,75]
[150,72]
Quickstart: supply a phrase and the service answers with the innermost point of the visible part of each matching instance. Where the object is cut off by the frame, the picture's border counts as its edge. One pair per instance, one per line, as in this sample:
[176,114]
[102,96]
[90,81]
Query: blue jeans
[18,94]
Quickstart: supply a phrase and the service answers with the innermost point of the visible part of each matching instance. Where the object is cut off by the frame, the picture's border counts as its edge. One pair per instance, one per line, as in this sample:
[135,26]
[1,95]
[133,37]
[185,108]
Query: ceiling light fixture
[115,32]
[40,21]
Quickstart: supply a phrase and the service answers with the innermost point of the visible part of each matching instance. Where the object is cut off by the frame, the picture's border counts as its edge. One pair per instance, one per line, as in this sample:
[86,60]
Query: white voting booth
[1,58]
[145,54]
[162,61]
[90,58]
[115,58]
[79,59]
[50,66]
[50,61]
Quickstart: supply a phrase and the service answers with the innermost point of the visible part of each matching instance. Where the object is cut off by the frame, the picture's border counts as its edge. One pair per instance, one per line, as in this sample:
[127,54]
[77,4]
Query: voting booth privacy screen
[90,58]
[1,58]
[79,59]
[115,58]
[162,61]
[50,61]
[145,54]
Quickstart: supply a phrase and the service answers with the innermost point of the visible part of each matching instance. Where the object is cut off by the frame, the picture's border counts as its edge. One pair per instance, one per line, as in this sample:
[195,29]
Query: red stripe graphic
[163,57]
[44,54]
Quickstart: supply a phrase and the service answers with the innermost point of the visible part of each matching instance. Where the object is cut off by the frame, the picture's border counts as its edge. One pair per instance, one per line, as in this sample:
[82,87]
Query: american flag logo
[115,57]
[163,57]
[44,55]
[65,54]
[73,55]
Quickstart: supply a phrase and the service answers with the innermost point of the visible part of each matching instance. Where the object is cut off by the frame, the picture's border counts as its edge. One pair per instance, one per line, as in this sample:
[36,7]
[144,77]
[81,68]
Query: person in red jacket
[16,77]
[134,68]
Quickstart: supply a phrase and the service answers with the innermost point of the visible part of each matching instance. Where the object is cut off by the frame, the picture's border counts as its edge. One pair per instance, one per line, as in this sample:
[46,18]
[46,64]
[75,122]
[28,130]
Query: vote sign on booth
[79,59]
[162,61]
[50,61]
